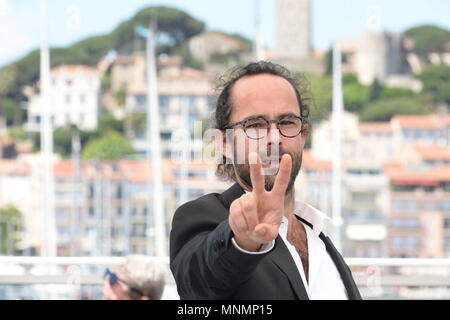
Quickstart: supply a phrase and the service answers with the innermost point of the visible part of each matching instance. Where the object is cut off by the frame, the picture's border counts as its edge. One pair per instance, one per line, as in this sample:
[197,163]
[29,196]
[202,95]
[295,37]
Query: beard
[243,170]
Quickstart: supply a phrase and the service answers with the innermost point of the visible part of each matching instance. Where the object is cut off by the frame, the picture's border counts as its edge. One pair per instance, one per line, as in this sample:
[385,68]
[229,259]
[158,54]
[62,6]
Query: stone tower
[293,29]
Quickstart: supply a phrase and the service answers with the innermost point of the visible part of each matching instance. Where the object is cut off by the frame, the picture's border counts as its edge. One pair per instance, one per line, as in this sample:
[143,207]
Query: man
[137,278]
[254,241]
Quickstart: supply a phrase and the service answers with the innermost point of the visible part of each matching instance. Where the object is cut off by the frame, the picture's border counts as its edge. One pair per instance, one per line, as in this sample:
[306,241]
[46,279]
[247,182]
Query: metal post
[338,107]
[154,151]
[49,226]
[258,45]
[185,150]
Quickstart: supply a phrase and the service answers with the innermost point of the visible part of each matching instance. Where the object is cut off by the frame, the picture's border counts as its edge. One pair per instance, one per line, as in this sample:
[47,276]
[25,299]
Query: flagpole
[337,120]
[154,150]
[258,46]
[49,227]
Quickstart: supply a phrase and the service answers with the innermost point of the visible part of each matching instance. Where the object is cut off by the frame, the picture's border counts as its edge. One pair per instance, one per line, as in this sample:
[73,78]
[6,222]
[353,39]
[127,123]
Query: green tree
[110,146]
[121,96]
[387,92]
[62,139]
[321,88]
[173,28]
[383,110]
[375,90]
[136,122]
[10,110]
[356,96]
[436,82]
[11,228]
[107,122]
[329,61]
[428,39]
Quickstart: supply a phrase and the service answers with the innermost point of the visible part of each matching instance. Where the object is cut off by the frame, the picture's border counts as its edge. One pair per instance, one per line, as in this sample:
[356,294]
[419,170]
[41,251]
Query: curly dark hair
[223,106]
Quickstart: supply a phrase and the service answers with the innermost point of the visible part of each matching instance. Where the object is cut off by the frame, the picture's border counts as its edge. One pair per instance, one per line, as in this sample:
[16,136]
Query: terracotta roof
[384,127]
[63,169]
[73,69]
[428,177]
[433,152]
[417,121]
[447,120]
[14,168]
[135,171]
[310,163]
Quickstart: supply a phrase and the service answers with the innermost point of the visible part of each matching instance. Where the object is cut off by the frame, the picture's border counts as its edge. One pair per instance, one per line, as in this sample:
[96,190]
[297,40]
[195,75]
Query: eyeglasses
[113,279]
[257,128]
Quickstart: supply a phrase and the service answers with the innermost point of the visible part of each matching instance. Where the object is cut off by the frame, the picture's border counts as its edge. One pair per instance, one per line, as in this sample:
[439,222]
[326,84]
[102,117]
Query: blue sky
[332,19]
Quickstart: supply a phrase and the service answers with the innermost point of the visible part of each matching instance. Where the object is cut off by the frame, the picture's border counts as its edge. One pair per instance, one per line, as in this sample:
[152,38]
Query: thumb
[261,232]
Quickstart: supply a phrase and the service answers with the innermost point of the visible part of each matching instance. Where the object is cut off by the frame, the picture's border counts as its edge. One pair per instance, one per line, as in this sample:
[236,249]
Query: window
[411,205]
[445,206]
[446,223]
[91,212]
[405,223]
[428,205]
[405,242]
[447,243]
[119,192]
[401,188]
[91,191]
[363,198]
[446,186]
[397,205]
[139,230]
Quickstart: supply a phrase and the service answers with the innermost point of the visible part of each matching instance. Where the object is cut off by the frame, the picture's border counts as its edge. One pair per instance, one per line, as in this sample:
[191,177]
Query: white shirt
[325,282]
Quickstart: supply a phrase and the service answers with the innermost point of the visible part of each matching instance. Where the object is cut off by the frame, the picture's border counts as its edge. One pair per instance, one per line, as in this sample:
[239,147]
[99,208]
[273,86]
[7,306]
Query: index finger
[283,176]
[255,173]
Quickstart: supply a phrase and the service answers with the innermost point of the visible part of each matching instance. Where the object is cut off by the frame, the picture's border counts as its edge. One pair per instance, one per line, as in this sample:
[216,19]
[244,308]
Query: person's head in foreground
[137,278]
[261,106]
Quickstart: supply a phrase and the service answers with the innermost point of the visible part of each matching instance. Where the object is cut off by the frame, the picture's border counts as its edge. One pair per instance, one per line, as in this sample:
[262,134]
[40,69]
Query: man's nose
[273,134]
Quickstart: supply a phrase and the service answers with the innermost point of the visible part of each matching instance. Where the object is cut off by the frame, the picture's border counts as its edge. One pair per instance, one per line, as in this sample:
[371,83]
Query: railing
[81,277]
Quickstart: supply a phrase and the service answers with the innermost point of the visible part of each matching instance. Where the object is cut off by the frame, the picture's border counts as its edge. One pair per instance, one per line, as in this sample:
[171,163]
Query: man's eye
[287,123]
[254,125]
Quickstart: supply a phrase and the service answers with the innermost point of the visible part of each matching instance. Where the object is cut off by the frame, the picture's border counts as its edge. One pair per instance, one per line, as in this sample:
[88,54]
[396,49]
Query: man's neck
[289,203]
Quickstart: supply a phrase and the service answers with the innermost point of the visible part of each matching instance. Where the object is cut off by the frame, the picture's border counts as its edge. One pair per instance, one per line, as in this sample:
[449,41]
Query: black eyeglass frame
[113,278]
[269,122]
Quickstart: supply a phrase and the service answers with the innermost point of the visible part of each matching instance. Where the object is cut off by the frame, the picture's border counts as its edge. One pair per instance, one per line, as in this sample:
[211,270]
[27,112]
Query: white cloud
[19,31]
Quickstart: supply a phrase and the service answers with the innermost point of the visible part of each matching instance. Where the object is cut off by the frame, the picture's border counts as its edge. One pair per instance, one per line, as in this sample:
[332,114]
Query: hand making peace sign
[256,216]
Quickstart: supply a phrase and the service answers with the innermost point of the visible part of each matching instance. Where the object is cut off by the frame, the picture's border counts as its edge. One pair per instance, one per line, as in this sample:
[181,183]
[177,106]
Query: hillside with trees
[174,28]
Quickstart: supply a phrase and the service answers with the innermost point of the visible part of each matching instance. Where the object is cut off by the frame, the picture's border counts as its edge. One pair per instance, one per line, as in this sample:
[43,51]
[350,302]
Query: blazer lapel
[344,271]
[281,257]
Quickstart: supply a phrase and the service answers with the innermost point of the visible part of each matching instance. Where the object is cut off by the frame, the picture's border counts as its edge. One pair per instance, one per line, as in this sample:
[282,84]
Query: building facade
[74,99]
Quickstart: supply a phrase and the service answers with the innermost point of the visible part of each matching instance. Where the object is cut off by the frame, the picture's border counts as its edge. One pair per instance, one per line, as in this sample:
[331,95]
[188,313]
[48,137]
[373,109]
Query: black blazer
[206,265]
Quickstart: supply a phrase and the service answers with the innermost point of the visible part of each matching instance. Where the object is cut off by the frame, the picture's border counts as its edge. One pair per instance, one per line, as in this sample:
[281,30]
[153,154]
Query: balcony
[79,278]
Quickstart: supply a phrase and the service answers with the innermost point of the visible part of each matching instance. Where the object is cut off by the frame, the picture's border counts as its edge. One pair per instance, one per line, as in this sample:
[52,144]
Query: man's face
[271,97]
